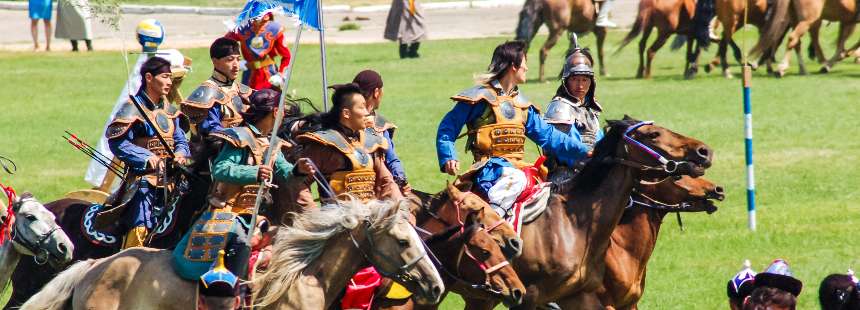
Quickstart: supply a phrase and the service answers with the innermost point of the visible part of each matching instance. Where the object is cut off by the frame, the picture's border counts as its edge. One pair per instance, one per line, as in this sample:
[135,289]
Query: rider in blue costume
[499,119]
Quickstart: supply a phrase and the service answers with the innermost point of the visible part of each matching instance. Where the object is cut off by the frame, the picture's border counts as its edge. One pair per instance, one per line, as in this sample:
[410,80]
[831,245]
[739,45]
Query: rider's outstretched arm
[564,147]
[450,128]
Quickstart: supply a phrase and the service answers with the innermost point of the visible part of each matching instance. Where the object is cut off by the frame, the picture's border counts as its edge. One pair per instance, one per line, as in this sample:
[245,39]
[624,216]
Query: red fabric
[359,291]
[259,78]
[6,228]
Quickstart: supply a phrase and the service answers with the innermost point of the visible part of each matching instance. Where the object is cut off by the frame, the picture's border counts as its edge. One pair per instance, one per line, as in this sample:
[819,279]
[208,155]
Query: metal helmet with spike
[578,61]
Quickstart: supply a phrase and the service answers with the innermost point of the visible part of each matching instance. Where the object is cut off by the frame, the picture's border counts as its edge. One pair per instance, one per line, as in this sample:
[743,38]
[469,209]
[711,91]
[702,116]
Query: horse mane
[297,246]
[598,166]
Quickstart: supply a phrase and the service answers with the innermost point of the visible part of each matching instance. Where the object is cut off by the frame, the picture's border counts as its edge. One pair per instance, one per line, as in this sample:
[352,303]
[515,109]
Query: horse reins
[666,165]
[33,247]
[3,163]
[402,273]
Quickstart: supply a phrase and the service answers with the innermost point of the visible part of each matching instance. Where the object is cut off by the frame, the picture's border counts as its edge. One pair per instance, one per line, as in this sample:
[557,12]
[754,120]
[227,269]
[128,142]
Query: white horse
[311,264]
[34,233]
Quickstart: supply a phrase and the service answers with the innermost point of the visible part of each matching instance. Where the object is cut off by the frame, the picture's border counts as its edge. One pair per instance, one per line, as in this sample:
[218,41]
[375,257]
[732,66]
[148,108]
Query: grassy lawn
[805,129]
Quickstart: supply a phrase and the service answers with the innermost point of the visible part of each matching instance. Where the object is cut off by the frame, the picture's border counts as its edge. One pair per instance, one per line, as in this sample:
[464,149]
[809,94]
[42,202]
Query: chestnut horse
[730,14]
[565,247]
[803,16]
[575,16]
[635,237]
[468,259]
[684,17]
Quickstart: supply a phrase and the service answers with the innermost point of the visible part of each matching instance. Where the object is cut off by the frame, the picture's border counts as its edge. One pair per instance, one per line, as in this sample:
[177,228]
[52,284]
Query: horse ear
[452,190]
[471,219]
[627,118]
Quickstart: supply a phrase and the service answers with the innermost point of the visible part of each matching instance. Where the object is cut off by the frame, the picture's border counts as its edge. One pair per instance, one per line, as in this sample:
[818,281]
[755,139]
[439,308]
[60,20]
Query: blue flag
[306,11]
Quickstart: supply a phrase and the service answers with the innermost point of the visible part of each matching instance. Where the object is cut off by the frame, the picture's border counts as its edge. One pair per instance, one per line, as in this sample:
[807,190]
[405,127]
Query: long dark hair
[506,55]
[341,99]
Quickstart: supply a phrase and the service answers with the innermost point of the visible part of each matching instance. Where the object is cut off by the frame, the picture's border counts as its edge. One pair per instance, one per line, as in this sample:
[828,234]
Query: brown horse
[575,16]
[635,237]
[470,262]
[683,17]
[565,247]
[803,16]
[730,14]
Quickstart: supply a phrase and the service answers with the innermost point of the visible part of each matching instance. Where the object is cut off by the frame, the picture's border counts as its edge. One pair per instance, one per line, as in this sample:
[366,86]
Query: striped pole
[748,144]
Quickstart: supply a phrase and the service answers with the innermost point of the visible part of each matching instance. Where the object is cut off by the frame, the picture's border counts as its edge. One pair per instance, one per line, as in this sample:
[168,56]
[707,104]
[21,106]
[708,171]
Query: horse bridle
[666,165]
[464,251]
[457,203]
[402,273]
[34,247]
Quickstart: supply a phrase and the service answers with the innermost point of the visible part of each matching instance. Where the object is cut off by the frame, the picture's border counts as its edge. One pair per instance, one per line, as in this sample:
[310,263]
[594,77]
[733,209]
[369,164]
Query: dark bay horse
[565,247]
[574,16]
[683,17]
[634,239]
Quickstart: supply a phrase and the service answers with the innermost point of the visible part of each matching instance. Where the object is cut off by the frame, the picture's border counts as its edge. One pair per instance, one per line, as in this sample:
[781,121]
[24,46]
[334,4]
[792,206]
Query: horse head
[657,151]
[398,253]
[680,194]
[485,260]
[36,233]
[462,203]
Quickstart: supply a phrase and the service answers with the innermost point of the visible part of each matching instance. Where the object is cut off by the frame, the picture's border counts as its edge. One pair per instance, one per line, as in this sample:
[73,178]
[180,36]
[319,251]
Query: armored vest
[240,198]
[500,131]
[162,117]
[230,99]
[586,120]
[381,125]
[360,178]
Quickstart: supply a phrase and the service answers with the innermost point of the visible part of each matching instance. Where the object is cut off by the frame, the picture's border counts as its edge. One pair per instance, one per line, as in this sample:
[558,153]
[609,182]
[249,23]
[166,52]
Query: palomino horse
[311,263]
[683,17]
[33,233]
[575,16]
[565,247]
[803,16]
[469,260]
[635,237]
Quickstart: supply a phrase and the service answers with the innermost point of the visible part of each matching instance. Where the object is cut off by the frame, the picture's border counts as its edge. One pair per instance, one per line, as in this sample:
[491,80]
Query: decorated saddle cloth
[212,232]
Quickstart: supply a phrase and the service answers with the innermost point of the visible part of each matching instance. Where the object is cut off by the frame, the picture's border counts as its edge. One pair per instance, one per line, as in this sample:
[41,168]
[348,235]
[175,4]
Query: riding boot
[603,15]
[404,49]
[89,45]
[74,45]
[413,50]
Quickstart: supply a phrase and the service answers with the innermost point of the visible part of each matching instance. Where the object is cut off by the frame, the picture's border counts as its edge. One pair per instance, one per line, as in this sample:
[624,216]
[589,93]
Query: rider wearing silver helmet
[574,110]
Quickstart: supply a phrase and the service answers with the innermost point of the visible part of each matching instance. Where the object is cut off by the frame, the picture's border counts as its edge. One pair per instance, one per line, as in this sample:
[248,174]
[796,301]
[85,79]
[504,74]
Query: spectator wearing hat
[775,289]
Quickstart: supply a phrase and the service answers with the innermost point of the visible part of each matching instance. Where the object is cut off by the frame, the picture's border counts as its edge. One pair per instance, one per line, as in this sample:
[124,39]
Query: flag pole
[322,55]
[279,117]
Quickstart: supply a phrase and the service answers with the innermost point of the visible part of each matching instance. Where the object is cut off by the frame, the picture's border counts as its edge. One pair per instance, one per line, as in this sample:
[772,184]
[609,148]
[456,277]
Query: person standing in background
[73,23]
[40,9]
[405,25]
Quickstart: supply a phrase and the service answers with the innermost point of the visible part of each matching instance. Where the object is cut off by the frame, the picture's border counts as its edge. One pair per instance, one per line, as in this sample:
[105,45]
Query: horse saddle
[210,234]
[106,234]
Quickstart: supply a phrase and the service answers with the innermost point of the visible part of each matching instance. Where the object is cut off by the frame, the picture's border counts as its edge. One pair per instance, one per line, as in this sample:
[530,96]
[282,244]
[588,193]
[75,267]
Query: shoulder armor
[476,94]
[374,141]
[560,110]
[125,116]
[328,137]
[204,97]
[381,124]
[521,101]
[239,137]
[244,90]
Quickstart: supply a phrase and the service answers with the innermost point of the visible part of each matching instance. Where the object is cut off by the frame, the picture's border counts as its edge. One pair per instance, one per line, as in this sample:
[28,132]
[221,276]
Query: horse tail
[774,28]
[56,293]
[705,11]
[642,20]
[530,21]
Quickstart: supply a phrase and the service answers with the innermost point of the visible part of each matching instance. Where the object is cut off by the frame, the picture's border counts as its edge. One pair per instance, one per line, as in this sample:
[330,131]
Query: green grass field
[806,145]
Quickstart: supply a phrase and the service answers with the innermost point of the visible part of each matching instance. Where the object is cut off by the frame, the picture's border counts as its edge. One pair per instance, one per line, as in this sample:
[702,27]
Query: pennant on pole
[306,11]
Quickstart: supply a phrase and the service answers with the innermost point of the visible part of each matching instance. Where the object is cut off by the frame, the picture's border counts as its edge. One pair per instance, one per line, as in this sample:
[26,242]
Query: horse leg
[793,41]
[845,30]
[600,34]
[554,35]
[815,51]
[691,66]
[640,72]
[662,37]
[800,64]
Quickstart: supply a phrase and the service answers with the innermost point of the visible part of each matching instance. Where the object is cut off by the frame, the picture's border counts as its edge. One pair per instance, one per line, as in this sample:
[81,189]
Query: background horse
[33,233]
[565,247]
[313,259]
[634,239]
[575,16]
[684,17]
[807,15]
[470,262]
[730,14]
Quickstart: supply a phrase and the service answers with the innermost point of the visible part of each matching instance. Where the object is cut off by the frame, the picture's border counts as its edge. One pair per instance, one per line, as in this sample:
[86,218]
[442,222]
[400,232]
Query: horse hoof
[728,74]
[824,69]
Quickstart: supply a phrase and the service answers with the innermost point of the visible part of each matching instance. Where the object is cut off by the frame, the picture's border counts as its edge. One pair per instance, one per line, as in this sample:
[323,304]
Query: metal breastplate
[500,132]
[561,111]
[237,197]
[228,98]
[165,126]
[360,178]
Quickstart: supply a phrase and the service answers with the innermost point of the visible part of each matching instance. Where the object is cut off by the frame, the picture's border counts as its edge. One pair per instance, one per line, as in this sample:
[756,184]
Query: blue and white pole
[748,144]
